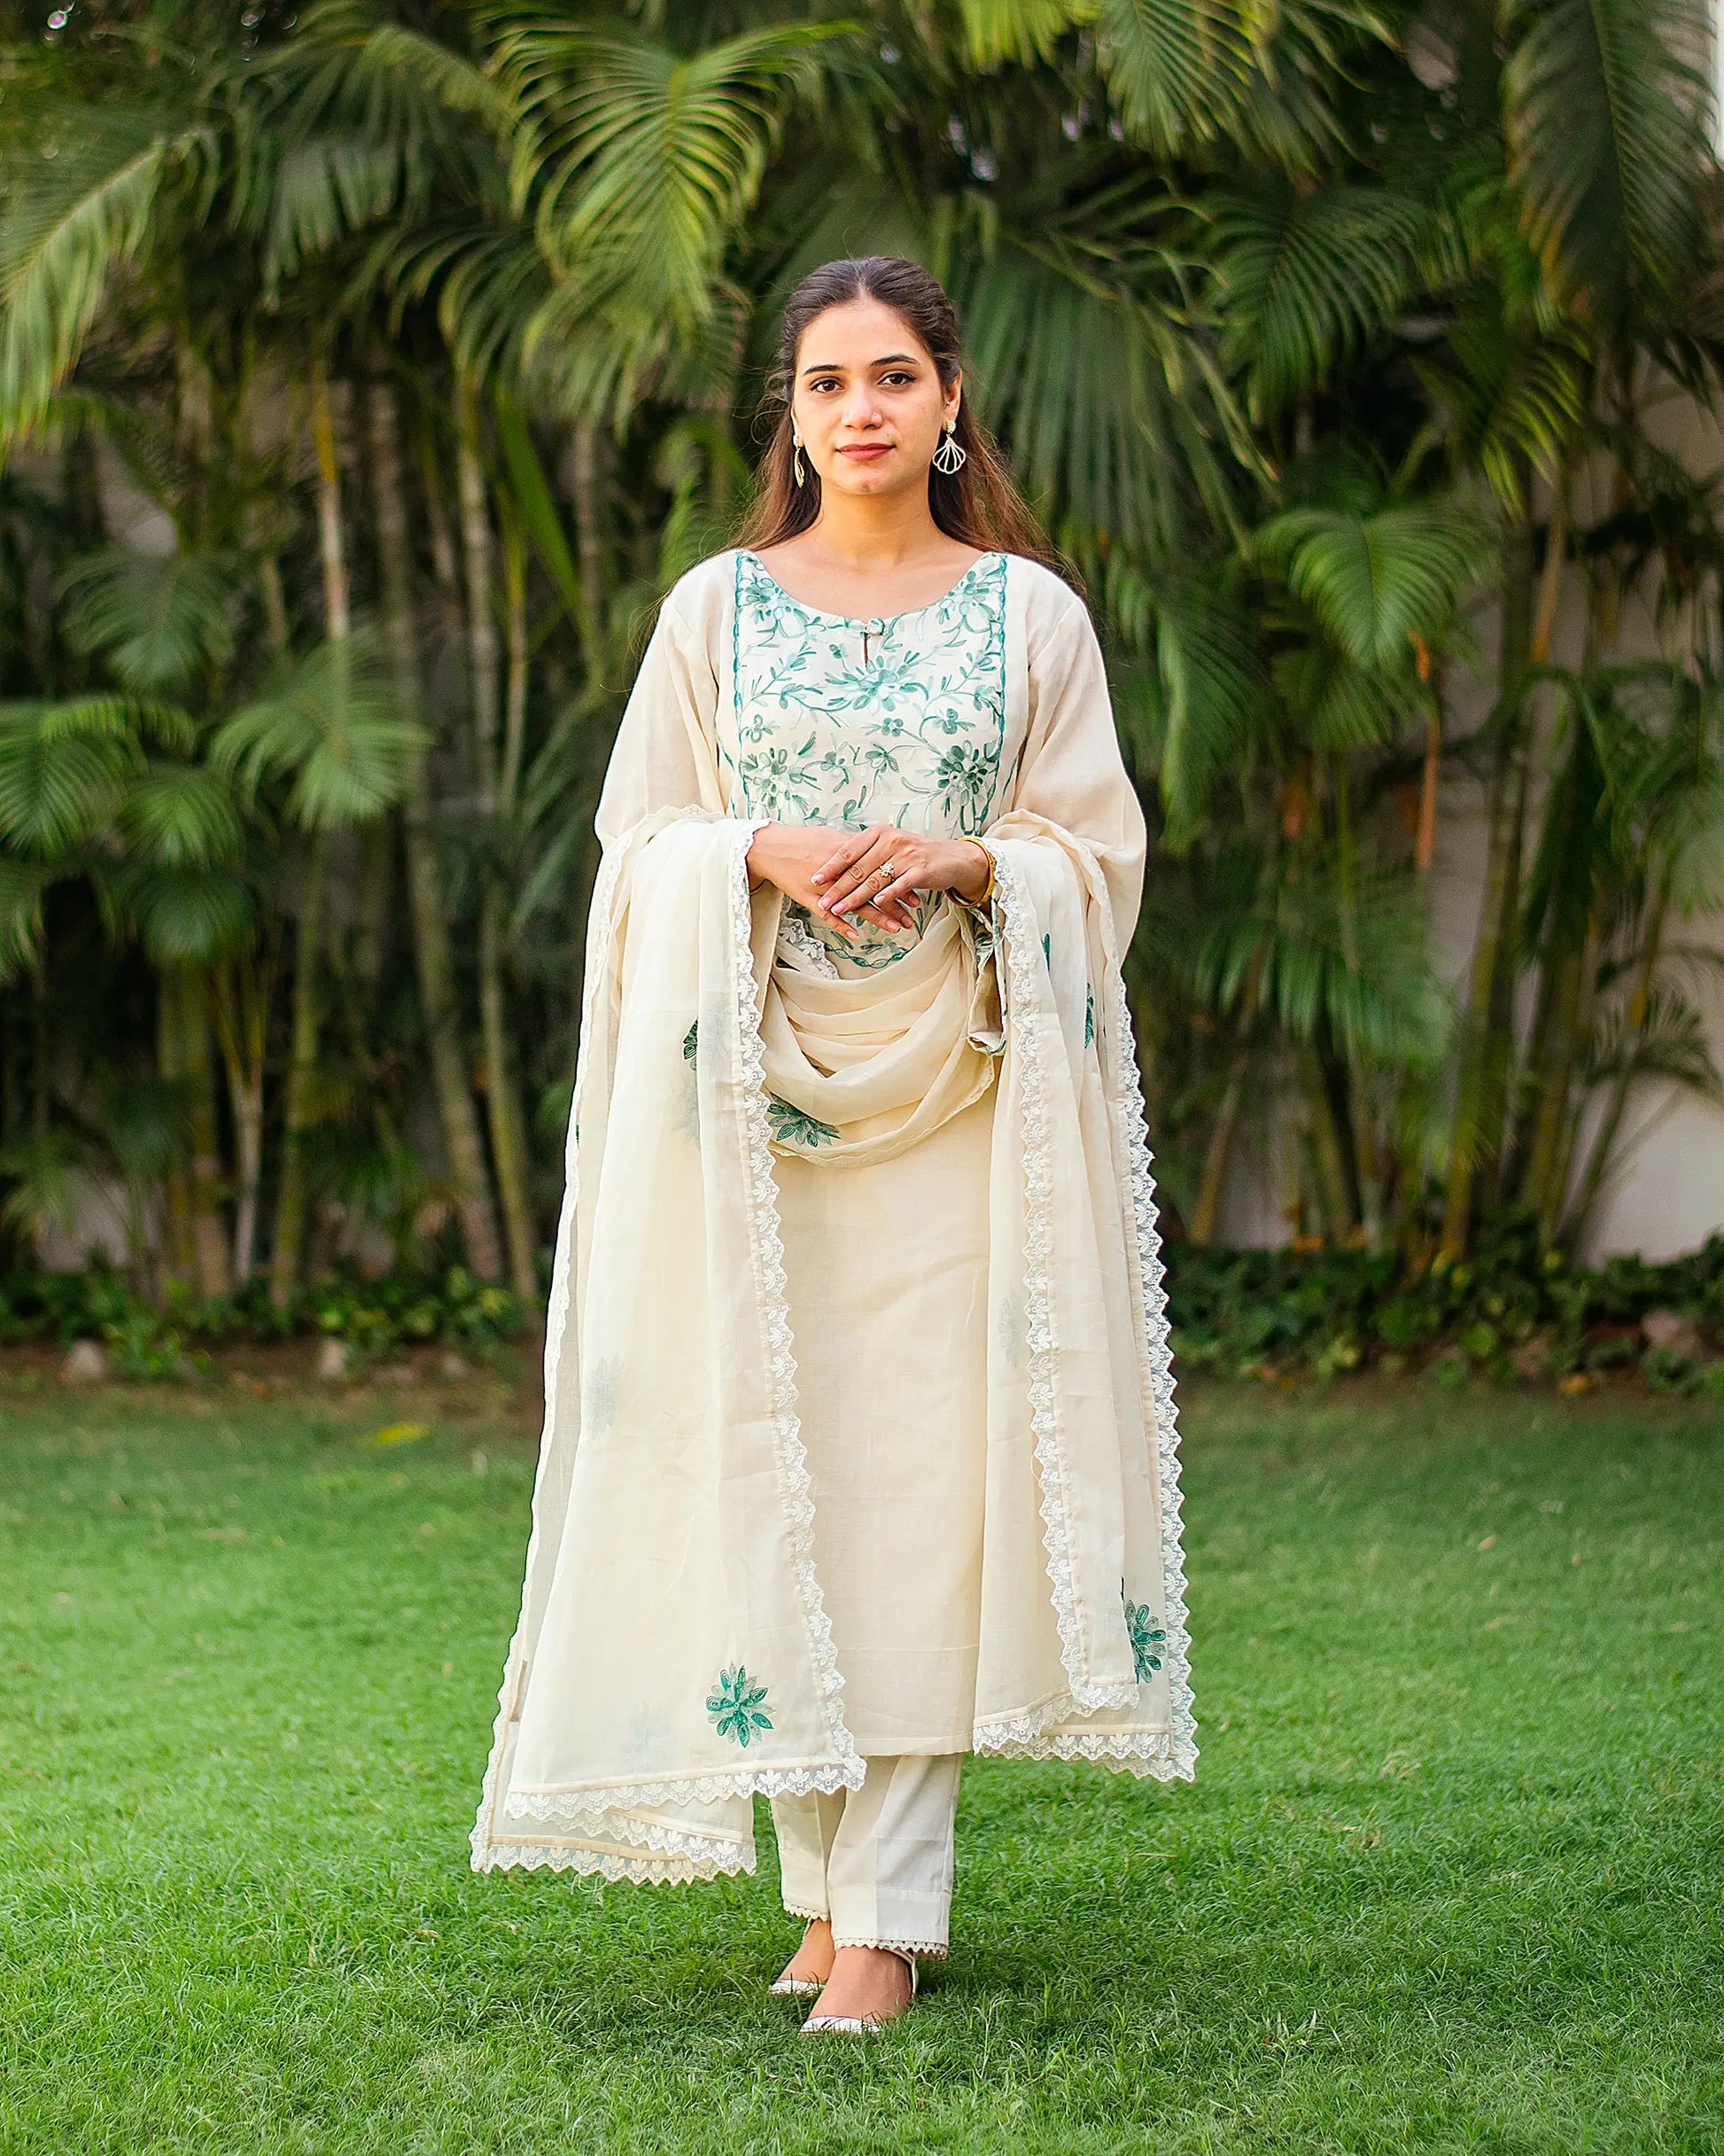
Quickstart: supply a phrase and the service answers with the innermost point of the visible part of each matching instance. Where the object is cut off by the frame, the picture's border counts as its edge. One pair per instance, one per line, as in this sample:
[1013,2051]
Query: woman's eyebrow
[886,360]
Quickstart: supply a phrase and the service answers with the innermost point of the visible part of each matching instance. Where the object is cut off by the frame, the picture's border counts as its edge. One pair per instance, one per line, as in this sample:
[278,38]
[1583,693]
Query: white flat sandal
[859,2025]
[788,1987]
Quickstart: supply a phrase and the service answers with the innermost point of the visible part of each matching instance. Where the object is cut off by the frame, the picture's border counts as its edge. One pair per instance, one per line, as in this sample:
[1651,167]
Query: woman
[858,1448]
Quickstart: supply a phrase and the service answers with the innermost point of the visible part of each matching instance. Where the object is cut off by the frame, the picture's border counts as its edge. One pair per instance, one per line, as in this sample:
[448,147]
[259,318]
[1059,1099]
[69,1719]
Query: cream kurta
[840,720]
[860,1430]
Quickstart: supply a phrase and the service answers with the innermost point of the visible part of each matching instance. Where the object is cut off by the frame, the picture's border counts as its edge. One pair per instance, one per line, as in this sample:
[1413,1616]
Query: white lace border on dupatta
[669,1855]
[1164,1755]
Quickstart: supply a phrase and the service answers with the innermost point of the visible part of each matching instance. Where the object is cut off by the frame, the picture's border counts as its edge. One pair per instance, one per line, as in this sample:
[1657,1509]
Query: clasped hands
[872,875]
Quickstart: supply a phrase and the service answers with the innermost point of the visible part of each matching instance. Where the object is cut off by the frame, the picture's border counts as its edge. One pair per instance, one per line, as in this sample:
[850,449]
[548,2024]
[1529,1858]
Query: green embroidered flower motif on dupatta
[792,1126]
[691,1041]
[1148,1639]
[737,1705]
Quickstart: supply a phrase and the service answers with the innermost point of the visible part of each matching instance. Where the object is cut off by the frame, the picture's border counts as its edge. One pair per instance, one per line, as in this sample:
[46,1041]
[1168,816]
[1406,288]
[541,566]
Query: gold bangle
[988,888]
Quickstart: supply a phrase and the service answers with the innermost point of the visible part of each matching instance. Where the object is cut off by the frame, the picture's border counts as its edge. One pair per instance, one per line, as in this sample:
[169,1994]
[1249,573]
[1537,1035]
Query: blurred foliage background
[367,372]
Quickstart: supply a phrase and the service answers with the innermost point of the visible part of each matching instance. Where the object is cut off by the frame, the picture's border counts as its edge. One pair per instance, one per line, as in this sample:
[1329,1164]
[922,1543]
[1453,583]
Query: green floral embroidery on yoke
[912,734]
[1148,1639]
[737,1705]
[793,1126]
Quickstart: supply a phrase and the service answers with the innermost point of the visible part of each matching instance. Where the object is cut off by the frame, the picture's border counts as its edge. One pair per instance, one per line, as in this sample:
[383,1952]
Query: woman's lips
[866,454]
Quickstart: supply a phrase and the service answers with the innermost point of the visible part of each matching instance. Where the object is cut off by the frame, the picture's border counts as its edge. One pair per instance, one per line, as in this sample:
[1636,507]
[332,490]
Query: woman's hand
[879,871]
[788,854]
[872,875]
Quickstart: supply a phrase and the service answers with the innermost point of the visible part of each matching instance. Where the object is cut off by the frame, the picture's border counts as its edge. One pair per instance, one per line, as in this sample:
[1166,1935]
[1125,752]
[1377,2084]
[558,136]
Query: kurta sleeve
[665,755]
[1071,784]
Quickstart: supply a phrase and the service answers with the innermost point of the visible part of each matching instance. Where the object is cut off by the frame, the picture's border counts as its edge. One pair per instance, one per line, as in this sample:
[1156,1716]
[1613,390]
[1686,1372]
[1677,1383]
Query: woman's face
[868,401]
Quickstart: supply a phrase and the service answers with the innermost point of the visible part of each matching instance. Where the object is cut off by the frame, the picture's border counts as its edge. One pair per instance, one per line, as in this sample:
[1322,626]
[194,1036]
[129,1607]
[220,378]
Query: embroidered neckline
[881,621]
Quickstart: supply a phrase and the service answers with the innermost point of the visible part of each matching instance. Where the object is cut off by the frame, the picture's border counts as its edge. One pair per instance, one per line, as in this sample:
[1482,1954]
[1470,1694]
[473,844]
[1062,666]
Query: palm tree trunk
[178,1255]
[291,1206]
[1207,1211]
[1477,1134]
[586,485]
[1578,1217]
[243,992]
[1552,1084]
[1576,1048]
[481,618]
[209,1232]
[509,1153]
[431,929]
[508,1142]
[331,551]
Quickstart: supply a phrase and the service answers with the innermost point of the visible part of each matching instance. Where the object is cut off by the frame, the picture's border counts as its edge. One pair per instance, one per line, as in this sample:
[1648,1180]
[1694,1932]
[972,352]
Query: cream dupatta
[674,1655]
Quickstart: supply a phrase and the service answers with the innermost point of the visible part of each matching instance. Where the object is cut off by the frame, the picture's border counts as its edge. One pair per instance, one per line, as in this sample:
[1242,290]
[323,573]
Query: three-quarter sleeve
[664,756]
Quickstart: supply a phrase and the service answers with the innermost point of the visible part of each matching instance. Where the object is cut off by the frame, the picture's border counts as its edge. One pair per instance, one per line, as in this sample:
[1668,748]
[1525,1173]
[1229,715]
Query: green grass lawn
[1449,1876]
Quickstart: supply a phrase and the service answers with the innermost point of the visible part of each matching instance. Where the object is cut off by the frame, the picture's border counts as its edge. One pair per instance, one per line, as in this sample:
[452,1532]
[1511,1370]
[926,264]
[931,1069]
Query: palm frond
[330,724]
[179,816]
[1375,581]
[160,620]
[638,162]
[84,192]
[60,782]
[1310,279]
[22,884]
[182,910]
[996,31]
[1608,106]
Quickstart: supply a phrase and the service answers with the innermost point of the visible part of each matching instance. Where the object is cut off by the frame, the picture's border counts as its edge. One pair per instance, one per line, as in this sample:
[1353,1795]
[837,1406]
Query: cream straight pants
[878,1860]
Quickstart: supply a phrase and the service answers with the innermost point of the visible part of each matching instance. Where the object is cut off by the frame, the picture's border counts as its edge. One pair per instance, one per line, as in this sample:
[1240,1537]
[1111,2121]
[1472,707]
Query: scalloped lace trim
[601,1824]
[591,1805]
[1156,1357]
[793,1478]
[928,1949]
[1087,1697]
[1153,1754]
[642,1870]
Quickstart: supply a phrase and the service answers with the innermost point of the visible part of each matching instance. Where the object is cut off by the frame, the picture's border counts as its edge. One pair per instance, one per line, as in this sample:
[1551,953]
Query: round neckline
[860,621]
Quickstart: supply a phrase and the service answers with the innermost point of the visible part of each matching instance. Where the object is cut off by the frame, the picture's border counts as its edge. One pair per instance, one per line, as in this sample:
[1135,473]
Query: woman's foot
[808,1968]
[868,1984]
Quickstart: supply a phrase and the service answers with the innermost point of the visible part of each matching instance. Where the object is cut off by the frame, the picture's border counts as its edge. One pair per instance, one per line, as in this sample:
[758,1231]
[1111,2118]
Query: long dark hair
[979,503]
